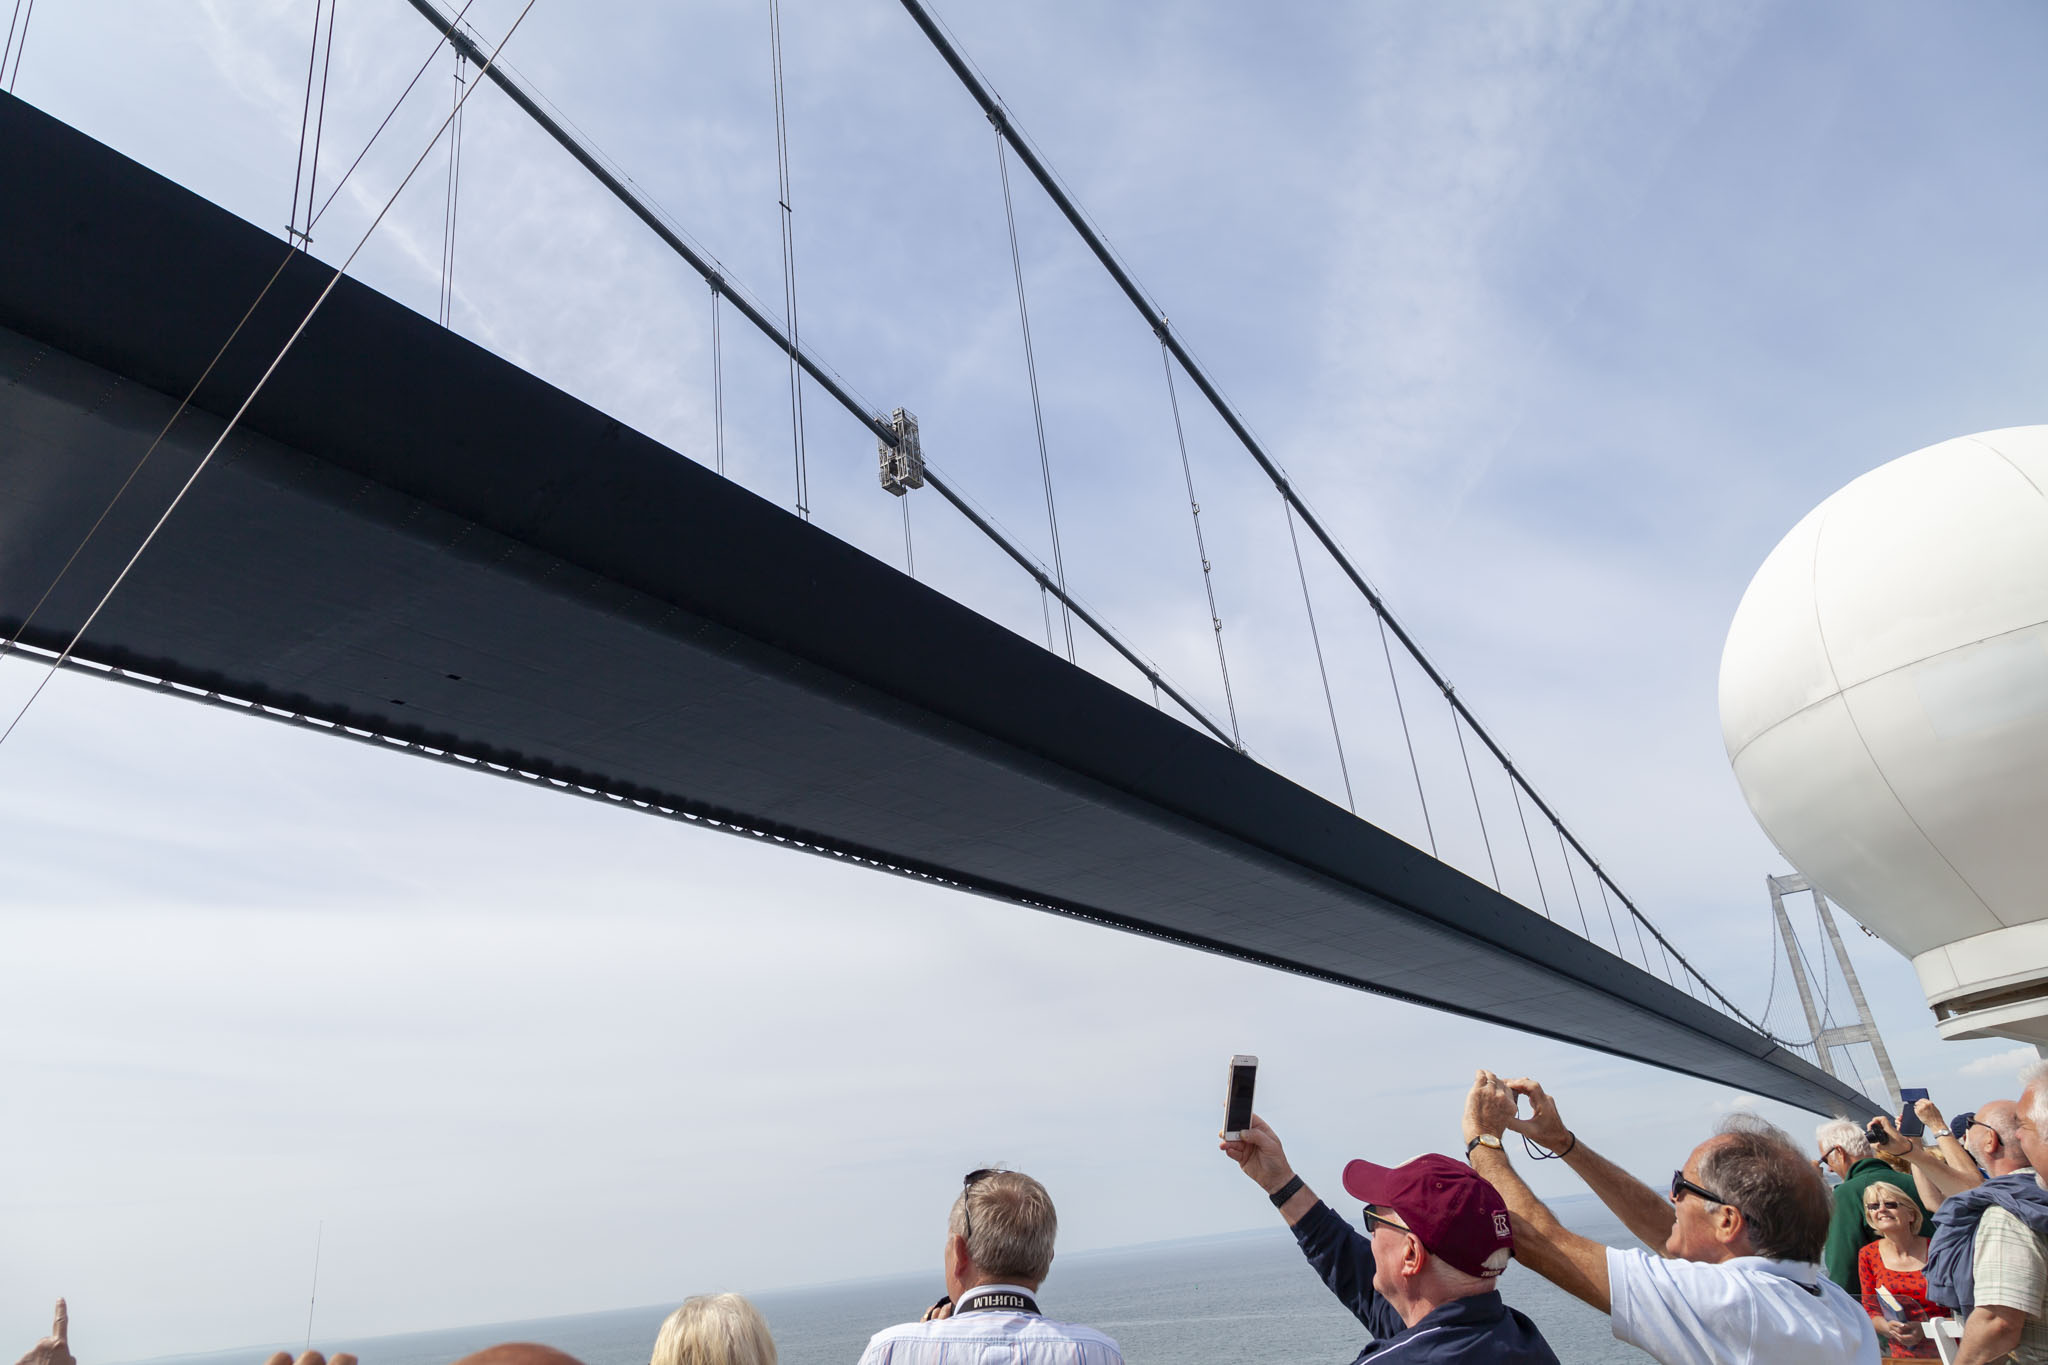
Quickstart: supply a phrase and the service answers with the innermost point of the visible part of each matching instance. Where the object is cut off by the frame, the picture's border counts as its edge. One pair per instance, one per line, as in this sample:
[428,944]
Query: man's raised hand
[1543,1126]
[54,1349]
[1259,1155]
[1489,1106]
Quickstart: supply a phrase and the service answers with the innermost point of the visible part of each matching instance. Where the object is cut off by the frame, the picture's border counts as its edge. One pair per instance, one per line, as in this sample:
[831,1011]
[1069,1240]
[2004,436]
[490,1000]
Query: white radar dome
[1884,700]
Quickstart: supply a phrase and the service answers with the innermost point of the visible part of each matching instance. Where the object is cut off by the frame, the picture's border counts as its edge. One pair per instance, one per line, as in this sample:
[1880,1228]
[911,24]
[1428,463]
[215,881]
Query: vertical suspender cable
[717,385]
[1584,927]
[8,51]
[453,202]
[1608,906]
[1458,729]
[17,45]
[1530,844]
[305,123]
[320,114]
[1314,636]
[796,377]
[909,555]
[1402,711]
[1052,520]
[1208,587]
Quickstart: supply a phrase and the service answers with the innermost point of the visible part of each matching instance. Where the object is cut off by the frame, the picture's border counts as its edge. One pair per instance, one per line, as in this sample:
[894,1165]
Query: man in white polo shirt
[1739,1281]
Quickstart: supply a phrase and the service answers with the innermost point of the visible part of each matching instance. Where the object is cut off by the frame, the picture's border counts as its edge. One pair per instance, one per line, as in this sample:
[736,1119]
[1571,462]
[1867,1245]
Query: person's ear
[1727,1223]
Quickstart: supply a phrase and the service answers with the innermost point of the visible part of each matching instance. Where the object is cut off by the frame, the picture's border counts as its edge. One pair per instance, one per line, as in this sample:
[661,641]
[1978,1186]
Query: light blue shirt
[992,1338]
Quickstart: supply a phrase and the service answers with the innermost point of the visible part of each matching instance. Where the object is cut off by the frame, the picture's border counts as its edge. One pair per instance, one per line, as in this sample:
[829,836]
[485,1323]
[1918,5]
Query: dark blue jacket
[1480,1328]
[1951,1280]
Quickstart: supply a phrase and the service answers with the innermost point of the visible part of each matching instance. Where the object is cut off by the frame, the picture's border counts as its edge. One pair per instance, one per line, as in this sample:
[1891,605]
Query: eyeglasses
[1883,1204]
[1681,1187]
[1823,1162]
[967,1201]
[1374,1221]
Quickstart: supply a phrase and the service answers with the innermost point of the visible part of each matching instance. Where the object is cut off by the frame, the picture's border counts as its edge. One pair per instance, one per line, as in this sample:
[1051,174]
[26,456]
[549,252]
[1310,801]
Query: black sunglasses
[1374,1221]
[967,1201]
[1680,1187]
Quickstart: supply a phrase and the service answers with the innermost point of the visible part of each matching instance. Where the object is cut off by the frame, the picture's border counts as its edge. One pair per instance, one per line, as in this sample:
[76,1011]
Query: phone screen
[1237,1109]
[1909,1122]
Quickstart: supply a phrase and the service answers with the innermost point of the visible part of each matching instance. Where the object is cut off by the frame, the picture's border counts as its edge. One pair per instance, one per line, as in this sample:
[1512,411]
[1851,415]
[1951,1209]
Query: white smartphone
[1237,1096]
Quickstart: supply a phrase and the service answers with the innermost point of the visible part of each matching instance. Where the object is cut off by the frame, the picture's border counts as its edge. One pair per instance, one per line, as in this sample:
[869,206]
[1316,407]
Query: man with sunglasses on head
[998,1251]
[1424,1276]
[1740,1230]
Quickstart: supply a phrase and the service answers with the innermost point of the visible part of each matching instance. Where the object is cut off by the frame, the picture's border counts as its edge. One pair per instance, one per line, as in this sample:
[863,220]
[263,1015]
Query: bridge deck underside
[409,536]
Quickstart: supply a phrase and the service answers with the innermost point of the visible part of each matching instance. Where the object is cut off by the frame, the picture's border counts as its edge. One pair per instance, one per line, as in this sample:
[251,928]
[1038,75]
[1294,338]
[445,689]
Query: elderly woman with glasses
[1897,1264]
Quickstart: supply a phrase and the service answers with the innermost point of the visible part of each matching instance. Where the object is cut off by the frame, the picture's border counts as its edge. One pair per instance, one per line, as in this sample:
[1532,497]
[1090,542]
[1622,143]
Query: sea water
[1237,1297]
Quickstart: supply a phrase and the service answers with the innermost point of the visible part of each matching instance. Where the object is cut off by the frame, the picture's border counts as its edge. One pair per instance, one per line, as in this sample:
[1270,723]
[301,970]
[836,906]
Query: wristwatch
[1483,1140]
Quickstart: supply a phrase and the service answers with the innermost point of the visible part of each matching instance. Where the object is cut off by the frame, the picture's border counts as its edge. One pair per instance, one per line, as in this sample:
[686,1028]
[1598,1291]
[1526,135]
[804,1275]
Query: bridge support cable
[1401,710]
[796,378]
[717,387]
[15,46]
[1315,638]
[317,121]
[1087,618]
[1584,927]
[1155,319]
[820,374]
[1530,844]
[454,201]
[1202,552]
[227,430]
[1052,519]
[1458,729]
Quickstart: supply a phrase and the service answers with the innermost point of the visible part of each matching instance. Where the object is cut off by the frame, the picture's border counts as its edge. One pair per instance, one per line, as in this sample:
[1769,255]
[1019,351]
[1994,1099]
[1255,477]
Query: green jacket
[1847,1232]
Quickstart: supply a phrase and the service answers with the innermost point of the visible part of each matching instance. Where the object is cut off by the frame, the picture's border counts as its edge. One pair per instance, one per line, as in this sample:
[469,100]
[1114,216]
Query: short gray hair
[2034,1076]
[1754,1165]
[1009,1223]
[1846,1135]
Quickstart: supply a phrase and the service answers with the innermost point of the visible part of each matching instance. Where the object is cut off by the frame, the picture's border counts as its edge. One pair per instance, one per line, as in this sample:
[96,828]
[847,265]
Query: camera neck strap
[996,1299]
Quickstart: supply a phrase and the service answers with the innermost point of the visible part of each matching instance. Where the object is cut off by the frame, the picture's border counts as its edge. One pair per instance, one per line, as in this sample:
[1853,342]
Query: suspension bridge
[253,482]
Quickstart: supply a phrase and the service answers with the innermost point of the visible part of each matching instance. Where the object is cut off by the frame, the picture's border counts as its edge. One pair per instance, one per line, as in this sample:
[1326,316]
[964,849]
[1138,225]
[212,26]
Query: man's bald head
[1994,1139]
[519,1353]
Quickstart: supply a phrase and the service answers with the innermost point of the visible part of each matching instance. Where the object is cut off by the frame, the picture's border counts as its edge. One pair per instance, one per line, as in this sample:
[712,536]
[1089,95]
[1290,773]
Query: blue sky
[1561,315]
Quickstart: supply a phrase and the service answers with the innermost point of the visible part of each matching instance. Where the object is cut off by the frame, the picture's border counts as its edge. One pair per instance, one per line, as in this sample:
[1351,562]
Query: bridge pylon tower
[1827,1036]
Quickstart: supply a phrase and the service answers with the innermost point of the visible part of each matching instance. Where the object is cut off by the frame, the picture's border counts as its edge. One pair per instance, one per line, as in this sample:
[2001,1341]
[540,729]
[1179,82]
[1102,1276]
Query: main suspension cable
[1155,319]
[1329,701]
[64,656]
[1052,519]
[796,378]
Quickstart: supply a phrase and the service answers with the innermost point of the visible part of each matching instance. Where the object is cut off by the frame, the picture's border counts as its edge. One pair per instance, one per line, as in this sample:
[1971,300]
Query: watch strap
[1287,1191]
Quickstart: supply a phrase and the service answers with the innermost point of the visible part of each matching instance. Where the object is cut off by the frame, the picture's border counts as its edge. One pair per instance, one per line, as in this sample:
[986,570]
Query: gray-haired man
[998,1251]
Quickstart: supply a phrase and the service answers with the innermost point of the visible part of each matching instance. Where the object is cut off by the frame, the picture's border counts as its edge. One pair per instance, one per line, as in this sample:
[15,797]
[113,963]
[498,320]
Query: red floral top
[1909,1287]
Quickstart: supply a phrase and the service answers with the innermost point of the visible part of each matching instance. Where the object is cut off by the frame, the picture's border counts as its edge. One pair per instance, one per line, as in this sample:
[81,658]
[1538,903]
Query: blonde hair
[715,1329]
[1905,1195]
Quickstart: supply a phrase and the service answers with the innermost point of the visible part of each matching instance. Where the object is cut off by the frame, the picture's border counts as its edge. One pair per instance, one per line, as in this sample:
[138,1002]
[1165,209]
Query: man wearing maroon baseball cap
[1423,1277]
